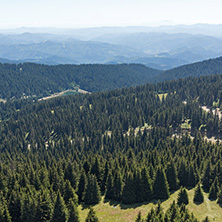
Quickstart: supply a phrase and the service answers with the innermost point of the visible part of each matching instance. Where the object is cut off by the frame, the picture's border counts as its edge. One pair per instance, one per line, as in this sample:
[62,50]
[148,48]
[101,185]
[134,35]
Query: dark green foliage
[160,185]
[81,186]
[15,205]
[123,137]
[60,213]
[73,212]
[4,213]
[206,178]
[198,195]
[69,193]
[109,187]
[129,190]
[182,197]
[171,175]
[41,80]
[91,216]
[214,190]
[44,207]
[92,193]
[174,213]
[219,200]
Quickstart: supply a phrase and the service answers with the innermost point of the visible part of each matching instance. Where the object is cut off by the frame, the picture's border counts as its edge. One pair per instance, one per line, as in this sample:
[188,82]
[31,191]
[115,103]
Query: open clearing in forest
[64,93]
[162,95]
[114,212]
[214,111]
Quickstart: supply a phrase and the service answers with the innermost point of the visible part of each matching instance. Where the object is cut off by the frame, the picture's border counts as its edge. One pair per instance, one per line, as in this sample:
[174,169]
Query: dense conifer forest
[128,145]
[35,80]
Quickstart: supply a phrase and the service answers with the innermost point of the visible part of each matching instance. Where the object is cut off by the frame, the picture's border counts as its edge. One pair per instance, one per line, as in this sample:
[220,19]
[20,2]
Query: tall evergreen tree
[198,195]
[73,212]
[92,193]
[182,197]
[60,213]
[160,185]
[91,216]
[44,207]
[69,193]
[171,175]
[81,186]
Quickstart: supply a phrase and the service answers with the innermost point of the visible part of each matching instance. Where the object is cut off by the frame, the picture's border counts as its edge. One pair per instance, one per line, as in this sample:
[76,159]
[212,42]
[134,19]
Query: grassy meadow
[114,212]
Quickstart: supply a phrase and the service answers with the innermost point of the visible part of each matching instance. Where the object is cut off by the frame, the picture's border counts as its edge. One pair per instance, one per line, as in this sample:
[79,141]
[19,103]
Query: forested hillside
[127,144]
[207,67]
[30,79]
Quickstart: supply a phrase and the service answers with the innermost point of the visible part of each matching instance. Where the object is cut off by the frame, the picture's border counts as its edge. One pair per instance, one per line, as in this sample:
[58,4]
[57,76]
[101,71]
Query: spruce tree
[69,193]
[171,175]
[44,207]
[206,178]
[81,186]
[117,186]
[109,187]
[145,185]
[73,212]
[129,194]
[91,216]
[214,190]
[219,200]
[160,185]
[198,195]
[182,197]
[92,193]
[60,213]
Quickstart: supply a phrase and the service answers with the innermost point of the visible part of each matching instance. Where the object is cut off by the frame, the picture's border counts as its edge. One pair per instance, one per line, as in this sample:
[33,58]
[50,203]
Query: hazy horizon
[100,13]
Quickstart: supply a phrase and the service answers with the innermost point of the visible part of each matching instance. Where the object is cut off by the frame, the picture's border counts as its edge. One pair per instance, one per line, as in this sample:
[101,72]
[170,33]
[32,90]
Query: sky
[97,13]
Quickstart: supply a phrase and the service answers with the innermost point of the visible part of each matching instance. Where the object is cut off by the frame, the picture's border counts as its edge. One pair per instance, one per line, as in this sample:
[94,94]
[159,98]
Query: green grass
[115,212]
[161,95]
[186,124]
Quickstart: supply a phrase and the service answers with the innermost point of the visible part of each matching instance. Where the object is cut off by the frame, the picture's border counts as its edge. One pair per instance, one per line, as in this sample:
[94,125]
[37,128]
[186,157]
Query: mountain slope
[33,79]
[207,67]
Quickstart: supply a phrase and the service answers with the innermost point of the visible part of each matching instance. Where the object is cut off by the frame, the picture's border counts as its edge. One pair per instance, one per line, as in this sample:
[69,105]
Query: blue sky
[91,13]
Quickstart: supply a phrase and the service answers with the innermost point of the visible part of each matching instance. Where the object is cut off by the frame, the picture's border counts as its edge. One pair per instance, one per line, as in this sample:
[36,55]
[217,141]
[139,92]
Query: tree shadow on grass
[198,203]
[123,206]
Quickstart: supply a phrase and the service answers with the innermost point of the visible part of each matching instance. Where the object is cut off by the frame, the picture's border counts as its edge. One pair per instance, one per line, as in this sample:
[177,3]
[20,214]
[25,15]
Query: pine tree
[117,186]
[129,195]
[145,185]
[28,209]
[81,186]
[91,217]
[219,200]
[73,212]
[171,175]
[92,194]
[60,213]
[182,197]
[160,185]
[44,207]
[198,195]
[4,212]
[206,178]
[214,190]
[15,206]
[69,193]
[109,187]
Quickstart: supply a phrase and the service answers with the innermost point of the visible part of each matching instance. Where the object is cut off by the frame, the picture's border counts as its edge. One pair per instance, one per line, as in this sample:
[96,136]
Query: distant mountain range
[163,48]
